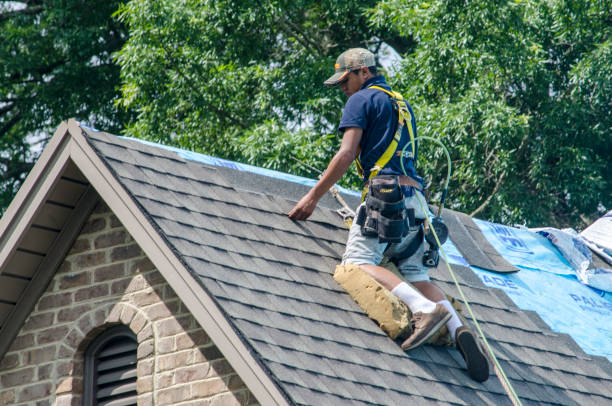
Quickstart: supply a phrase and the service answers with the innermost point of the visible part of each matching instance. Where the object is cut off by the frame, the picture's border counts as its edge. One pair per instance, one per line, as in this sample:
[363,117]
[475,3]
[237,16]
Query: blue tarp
[547,285]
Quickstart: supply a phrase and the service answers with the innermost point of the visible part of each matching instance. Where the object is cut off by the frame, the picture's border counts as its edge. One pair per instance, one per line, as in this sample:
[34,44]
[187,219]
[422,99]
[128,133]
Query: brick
[192,339]
[146,332]
[90,259]
[9,361]
[65,352]
[209,353]
[169,327]
[65,267]
[143,265]
[38,321]
[101,208]
[44,371]
[100,315]
[86,324]
[114,221]
[91,292]
[34,391]
[69,385]
[22,341]
[145,349]
[119,287]
[44,402]
[221,367]
[53,301]
[162,310]
[138,322]
[229,399]
[65,400]
[7,397]
[145,367]
[172,361]
[73,339]
[136,283]
[40,355]
[74,280]
[115,313]
[145,298]
[110,239]
[165,345]
[234,382]
[65,368]
[72,313]
[164,380]
[145,384]
[126,252]
[80,245]
[154,278]
[172,396]
[127,314]
[192,373]
[16,378]
[208,388]
[94,225]
[145,400]
[109,272]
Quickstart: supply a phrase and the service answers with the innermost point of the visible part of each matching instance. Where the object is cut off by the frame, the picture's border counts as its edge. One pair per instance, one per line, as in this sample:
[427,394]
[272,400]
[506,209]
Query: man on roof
[378,124]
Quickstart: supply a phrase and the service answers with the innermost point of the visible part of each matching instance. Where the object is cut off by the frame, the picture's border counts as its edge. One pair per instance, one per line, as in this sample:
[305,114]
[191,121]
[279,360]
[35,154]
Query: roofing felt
[273,279]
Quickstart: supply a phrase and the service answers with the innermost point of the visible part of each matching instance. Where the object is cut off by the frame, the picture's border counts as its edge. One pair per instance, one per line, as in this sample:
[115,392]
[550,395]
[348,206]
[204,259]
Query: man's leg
[427,316]
[464,337]
[366,251]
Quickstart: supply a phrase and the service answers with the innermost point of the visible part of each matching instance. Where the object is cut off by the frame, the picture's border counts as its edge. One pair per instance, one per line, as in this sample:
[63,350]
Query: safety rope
[498,369]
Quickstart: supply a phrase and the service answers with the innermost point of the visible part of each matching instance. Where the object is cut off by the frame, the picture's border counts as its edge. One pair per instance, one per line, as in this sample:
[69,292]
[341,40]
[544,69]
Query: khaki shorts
[362,249]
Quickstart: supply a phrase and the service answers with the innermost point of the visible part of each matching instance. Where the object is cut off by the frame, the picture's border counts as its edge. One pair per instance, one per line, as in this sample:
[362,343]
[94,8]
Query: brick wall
[106,280]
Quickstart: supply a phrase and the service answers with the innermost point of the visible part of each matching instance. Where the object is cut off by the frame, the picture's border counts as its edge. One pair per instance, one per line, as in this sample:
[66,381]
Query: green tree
[55,63]
[242,80]
[519,91]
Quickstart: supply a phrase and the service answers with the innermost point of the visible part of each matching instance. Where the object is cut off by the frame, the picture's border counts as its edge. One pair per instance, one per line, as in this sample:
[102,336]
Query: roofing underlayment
[270,280]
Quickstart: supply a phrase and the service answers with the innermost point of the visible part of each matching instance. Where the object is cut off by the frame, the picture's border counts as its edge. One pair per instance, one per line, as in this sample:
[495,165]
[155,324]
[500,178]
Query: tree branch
[294,31]
[486,202]
[217,111]
[10,124]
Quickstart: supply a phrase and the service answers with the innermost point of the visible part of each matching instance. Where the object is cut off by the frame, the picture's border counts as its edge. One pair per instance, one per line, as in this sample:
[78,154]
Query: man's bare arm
[336,168]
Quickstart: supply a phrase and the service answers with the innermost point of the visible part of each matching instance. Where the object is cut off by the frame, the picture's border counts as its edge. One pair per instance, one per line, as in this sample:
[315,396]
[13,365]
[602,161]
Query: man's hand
[304,208]
[336,168]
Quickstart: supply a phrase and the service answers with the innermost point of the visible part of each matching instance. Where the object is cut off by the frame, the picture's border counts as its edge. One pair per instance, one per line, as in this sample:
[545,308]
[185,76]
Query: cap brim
[336,78]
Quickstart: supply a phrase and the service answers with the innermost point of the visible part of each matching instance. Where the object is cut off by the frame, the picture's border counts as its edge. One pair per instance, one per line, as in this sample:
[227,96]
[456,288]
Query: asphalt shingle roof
[273,278]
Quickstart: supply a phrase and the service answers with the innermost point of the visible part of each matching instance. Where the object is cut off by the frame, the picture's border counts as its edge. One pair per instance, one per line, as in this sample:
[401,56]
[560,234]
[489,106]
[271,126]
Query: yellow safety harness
[404,118]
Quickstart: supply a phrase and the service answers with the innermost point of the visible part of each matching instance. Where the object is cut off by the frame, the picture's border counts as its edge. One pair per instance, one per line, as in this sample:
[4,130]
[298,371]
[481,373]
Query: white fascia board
[200,304]
[32,194]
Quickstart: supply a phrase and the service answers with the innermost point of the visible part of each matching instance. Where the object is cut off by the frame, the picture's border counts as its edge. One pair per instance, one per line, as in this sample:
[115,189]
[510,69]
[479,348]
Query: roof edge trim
[20,213]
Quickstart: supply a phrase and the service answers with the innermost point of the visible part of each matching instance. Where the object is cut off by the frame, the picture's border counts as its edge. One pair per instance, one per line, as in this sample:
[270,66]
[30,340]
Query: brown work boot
[475,359]
[425,325]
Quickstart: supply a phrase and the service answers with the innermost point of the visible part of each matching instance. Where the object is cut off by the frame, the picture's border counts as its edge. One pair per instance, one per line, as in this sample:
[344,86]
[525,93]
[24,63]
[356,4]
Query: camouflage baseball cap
[348,61]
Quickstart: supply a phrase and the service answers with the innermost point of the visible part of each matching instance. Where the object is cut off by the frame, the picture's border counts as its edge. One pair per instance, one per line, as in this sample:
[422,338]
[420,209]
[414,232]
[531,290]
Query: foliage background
[519,91]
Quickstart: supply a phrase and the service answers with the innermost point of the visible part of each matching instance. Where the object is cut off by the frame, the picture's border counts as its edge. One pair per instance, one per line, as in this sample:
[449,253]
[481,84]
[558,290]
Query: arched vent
[110,369]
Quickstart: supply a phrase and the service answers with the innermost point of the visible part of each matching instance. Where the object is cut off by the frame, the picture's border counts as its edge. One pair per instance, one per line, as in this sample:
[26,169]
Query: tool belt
[404,180]
[384,213]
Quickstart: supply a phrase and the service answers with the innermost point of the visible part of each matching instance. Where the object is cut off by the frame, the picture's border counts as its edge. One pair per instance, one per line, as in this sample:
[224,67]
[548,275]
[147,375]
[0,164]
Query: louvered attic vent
[110,369]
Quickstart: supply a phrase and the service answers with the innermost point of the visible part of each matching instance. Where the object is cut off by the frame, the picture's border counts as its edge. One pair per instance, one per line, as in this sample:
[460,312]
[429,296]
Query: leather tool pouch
[384,213]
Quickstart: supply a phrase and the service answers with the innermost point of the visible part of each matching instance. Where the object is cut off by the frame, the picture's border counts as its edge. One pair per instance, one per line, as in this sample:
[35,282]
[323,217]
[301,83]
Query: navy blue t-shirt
[372,111]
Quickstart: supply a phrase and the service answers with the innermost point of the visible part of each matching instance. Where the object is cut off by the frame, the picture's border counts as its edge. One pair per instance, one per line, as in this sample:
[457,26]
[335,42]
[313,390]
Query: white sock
[454,322]
[413,298]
